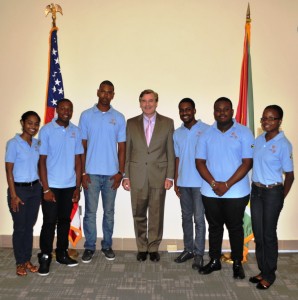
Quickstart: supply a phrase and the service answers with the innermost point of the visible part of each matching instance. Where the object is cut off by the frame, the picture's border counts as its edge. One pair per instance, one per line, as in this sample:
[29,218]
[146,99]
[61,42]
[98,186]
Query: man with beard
[188,184]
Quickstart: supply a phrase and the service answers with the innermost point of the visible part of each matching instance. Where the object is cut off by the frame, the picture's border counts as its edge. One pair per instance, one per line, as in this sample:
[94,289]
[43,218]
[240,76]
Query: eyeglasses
[270,119]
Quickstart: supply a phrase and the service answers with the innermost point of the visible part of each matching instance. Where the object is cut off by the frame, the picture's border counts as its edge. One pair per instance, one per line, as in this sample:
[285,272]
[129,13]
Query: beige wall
[190,48]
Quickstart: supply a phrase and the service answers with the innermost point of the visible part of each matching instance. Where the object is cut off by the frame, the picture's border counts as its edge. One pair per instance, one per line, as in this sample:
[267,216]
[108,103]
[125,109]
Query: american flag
[55,90]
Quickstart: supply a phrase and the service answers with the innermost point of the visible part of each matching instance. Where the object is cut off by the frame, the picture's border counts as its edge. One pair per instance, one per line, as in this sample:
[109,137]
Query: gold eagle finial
[53,9]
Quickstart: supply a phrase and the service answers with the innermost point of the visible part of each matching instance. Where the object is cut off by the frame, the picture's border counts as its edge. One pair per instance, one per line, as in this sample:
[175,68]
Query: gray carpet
[125,278]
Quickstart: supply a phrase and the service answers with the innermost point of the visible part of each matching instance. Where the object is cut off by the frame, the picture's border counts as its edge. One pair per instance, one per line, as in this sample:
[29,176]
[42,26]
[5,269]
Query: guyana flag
[245,116]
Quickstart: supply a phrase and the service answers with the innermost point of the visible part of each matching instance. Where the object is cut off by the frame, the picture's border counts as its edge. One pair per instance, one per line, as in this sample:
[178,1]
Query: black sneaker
[87,256]
[198,262]
[44,264]
[108,253]
[184,256]
[64,259]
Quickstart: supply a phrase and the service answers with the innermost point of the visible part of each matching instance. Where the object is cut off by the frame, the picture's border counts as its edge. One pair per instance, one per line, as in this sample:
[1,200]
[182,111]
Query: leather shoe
[238,272]
[142,256]
[154,256]
[255,279]
[263,285]
[213,265]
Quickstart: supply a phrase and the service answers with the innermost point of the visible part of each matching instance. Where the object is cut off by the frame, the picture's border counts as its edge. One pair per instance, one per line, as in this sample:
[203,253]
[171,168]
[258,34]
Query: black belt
[269,186]
[26,183]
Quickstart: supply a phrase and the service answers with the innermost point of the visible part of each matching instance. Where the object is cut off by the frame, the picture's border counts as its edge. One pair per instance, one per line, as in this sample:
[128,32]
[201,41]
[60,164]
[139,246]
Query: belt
[268,186]
[26,183]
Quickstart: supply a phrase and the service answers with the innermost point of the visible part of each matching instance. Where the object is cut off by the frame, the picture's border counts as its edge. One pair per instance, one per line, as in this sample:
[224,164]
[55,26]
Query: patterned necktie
[148,132]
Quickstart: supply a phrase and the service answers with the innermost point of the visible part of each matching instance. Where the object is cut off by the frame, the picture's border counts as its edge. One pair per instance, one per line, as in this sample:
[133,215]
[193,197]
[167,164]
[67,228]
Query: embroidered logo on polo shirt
[113,121]
[273,149]
[234,135]
[199,133]
[73,135]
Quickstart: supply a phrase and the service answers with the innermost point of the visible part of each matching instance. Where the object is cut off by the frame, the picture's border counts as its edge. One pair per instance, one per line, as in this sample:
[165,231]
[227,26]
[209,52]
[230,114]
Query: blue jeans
[228,211]
[193,212]
[103,184]
[24,220]
[266,205]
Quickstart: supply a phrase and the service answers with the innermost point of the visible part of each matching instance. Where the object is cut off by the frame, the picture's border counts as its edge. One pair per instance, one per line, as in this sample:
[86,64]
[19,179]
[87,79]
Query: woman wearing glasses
[24,189]
[272,158]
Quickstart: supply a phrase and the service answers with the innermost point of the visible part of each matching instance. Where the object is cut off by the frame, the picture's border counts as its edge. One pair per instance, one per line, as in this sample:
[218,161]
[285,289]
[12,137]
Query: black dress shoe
[154,256]
[213,265]
[263,285]
[238,272]
[142,256]
[255,279]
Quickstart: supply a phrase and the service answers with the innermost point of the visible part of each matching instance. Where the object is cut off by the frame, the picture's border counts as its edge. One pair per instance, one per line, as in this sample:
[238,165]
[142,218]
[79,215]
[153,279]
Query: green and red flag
[245,116]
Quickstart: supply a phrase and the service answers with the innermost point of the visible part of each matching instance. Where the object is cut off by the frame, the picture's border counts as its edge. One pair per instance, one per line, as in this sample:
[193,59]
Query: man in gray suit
[149,169]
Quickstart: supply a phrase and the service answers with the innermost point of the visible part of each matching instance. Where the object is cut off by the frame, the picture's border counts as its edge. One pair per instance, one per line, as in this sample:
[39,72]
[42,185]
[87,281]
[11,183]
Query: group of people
[208,166]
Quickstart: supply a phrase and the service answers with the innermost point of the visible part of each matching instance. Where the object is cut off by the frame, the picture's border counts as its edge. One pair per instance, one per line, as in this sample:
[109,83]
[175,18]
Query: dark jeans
[56,213]
[193,214]
[266,205]
[24,220]
[228,211]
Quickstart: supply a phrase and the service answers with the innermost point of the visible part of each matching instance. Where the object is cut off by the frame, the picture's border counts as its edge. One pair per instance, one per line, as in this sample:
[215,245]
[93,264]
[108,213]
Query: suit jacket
[156,162]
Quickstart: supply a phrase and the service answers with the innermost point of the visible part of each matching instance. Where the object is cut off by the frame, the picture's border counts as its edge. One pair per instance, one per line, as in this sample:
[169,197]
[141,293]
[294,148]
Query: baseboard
[129,244]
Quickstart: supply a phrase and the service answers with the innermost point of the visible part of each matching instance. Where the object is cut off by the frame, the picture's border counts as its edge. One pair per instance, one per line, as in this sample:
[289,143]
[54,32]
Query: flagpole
[245,116]
[55,92]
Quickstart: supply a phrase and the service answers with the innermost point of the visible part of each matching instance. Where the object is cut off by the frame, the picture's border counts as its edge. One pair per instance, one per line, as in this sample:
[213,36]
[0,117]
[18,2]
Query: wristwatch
[120,173]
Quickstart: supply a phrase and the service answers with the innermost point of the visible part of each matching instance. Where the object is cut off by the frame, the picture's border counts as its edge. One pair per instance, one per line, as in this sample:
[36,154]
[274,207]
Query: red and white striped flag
[55,92]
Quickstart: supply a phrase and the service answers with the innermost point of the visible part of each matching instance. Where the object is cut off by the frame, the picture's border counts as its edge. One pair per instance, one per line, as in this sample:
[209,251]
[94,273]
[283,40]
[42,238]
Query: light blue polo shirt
[24,157]
[102,130]
[185,143]
[60,144]
[271,159]
[223,153]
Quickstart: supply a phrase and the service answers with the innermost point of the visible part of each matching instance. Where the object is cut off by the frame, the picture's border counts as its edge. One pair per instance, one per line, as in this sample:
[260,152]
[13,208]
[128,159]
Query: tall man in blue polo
[103,131]
[188,183]
[60,174]
[223,159]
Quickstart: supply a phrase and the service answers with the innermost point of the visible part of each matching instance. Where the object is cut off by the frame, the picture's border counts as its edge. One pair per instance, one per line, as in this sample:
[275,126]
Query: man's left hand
[168,184]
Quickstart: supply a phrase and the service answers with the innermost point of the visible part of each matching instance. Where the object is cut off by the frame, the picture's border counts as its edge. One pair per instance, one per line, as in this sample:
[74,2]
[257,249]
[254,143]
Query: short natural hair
[148,91]
[63,100]
[187,100]
[277,108]
[225,99]
[107,82]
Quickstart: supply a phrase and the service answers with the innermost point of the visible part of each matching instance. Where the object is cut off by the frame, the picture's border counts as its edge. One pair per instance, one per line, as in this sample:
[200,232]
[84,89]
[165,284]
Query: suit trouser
[148,201]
